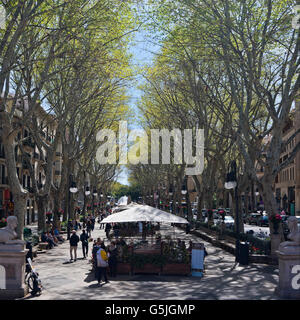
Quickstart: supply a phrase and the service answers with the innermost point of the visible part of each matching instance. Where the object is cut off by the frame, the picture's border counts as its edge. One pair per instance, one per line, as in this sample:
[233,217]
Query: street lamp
[184,192]
[94,195]
[87,191]
[72,189]
[231,183]
[256,201]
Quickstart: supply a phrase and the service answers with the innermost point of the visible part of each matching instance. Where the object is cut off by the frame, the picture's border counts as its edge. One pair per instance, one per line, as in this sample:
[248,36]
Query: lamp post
[87,192]
[94,195]
[231,183]
[170,196]
[184,192]
[256,195]
[72,189]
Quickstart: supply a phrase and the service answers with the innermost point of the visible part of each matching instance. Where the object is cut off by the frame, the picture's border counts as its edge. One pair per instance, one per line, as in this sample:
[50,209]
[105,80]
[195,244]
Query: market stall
[160,256]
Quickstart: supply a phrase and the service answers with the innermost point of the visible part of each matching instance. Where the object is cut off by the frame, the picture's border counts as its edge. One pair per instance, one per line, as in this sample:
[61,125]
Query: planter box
[176,269]
[147,268]
[123,268]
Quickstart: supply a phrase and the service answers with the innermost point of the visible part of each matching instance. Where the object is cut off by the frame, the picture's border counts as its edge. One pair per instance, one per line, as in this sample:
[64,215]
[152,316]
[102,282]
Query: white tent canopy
[123,201]
[143,213]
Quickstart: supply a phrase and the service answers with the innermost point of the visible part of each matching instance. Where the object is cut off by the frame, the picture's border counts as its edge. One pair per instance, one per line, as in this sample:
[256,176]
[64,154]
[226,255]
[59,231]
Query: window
[24,181]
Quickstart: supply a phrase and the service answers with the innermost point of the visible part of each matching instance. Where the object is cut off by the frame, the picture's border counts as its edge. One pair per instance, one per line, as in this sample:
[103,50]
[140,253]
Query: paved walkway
[223,279]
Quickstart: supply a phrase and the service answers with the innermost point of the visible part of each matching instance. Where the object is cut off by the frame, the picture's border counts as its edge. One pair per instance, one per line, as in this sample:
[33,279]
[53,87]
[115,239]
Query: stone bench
[43,245]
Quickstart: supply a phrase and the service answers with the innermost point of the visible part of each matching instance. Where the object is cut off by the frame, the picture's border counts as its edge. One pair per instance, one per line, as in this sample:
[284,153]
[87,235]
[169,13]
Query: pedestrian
[45,238]
[102,264]
[69,228]
[112,260]
[89,227]
[74,239]
[107,230]
[93,220]
[96,247]
[187,228]
[84,238]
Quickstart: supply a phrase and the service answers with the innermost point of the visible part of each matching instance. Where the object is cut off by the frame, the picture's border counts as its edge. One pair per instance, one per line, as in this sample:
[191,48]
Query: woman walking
[102,264]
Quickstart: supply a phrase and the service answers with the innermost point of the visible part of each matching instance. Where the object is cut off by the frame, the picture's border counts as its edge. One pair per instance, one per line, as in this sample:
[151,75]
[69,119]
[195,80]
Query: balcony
[57,173]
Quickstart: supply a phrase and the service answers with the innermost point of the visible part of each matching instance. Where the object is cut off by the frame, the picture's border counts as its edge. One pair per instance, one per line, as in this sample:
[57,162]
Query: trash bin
[244,253]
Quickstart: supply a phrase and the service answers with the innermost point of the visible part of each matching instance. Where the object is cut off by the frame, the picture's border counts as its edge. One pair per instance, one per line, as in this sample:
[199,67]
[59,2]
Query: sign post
[197,259]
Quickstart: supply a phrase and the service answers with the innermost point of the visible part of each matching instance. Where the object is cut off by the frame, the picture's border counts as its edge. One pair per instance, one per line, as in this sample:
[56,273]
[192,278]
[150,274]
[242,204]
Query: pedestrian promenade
[223,278]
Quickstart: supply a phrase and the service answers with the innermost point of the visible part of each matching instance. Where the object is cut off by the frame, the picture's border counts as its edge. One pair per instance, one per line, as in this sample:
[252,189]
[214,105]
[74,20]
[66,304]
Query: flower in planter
[276,218]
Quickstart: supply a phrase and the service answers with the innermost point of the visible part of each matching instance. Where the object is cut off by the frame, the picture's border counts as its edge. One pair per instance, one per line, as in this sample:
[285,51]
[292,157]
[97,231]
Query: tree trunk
[19,194]
[56,213]
[41,204]
[199,207]
[190,216]
[19,211]
[72,213]
[235,212]
[270,207]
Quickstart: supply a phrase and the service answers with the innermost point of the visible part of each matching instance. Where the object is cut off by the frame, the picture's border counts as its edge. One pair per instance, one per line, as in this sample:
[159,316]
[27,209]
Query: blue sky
[143,50]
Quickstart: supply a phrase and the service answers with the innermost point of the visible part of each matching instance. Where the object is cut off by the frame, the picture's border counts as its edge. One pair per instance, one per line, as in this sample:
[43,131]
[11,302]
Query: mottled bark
[41,202]
[19,194]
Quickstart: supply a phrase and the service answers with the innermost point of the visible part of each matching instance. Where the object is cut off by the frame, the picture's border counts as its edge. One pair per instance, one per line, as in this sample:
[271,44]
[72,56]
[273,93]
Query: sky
[143,51]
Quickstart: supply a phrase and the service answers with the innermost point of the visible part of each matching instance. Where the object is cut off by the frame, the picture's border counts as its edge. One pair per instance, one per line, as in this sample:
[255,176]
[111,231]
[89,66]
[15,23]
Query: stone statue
[8,234]
[294,236]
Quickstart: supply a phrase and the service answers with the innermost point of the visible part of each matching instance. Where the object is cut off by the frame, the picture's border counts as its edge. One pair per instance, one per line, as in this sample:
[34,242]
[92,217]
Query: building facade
[48,126]
[287,185]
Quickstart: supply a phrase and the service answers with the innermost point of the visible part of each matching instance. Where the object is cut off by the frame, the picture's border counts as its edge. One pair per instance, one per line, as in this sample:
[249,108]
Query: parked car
[204,212]
[228,220]
[215,214]
[195,213]
[254,218]
[228,211]
[264,221]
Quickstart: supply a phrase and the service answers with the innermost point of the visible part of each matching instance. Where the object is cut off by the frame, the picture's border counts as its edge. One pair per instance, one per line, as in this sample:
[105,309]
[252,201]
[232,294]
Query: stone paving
[223,278]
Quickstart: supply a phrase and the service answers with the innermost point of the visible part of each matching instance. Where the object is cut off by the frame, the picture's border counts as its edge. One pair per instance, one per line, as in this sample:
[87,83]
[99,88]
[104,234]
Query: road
[223,279]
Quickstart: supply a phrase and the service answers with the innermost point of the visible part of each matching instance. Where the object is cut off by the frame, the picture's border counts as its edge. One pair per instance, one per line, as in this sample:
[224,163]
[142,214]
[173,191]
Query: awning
[143,213]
